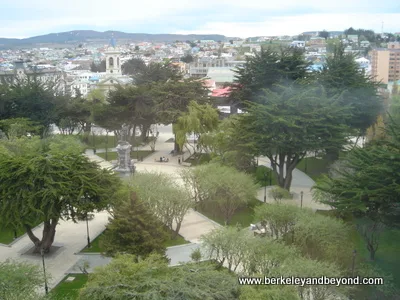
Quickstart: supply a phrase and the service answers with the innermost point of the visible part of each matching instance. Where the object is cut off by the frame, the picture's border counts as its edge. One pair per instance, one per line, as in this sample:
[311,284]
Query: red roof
[225,92]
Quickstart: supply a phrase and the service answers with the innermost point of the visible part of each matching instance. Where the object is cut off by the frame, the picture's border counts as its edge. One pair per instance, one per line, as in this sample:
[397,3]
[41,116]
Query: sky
[232,18]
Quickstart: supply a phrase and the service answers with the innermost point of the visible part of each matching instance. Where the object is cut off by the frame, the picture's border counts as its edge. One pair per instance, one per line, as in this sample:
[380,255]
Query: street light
[270,176]
[265,186]
[87,231]
[301,199]
[305,167]
[46,288]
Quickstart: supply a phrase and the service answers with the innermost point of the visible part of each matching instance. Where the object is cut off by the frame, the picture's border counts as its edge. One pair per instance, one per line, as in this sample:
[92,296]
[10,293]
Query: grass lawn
[7,235]
[314,167]
[69,290]
[95,244]
[134,154]
[243,216]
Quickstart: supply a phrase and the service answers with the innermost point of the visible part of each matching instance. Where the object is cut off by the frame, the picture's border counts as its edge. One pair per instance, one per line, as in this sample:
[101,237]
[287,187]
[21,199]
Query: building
[385,63]
[221,76]
[201,66]
[299,44]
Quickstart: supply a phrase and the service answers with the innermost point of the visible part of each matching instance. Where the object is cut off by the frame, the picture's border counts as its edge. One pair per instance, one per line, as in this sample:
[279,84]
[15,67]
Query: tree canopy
[49,186]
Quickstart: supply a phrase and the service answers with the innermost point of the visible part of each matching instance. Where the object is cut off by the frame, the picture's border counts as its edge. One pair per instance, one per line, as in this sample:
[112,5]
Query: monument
[124,163]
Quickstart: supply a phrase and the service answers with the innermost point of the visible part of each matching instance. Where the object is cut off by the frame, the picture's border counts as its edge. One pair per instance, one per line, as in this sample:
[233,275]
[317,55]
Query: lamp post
[46,288]
[265,186]
[353,262]
[305,167]
[270,176]
[107,146]
[87,231]
[301,199]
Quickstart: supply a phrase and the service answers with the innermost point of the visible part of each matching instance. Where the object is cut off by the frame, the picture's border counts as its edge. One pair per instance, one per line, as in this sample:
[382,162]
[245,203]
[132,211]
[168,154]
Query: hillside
[81,36]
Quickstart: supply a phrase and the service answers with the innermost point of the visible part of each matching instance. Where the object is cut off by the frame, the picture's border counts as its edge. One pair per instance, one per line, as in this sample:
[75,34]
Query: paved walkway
[301,182]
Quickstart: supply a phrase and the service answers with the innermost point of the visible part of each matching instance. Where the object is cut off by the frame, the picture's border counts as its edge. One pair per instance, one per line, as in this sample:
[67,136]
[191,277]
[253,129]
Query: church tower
[113,60]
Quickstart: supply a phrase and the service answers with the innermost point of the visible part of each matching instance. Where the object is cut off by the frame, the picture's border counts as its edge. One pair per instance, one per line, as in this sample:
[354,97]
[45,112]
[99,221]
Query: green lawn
[243,216]
[134,154]
[69,290]
[314,167]
[7,235]
[95,244]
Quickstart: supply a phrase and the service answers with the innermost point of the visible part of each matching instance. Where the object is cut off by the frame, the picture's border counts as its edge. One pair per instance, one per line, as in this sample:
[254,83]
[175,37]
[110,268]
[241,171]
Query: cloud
[229,17]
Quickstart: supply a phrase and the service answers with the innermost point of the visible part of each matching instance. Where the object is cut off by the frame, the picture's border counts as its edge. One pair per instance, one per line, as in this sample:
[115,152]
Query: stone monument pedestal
[124,163]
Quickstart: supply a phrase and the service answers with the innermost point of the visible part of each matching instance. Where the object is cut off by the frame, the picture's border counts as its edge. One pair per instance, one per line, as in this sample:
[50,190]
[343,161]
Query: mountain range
[87,36]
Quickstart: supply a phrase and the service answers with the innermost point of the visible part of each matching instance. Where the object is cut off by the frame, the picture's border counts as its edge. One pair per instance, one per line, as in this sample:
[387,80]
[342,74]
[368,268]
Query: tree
[164,197]
[221,189]
[156,72]
[266,69]
[366,186]
[278,193]
[151,278]
[133,66]
[31,99]
[20,280]
[187,58]
[287,124]
[198,120]
[133,229]
[324,34]
[341,75]
[17,127]
[224,149]
[48,187]
[277,219]
[370,231]
[101,67]
[269,292]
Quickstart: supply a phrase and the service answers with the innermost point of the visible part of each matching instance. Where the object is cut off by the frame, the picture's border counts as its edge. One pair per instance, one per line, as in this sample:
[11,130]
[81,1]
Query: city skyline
[22,18]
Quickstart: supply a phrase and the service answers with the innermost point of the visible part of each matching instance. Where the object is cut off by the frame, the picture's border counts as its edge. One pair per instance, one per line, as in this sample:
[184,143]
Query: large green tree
[290,122]
[267,68]
[50,186]
[341,75]
[367,184]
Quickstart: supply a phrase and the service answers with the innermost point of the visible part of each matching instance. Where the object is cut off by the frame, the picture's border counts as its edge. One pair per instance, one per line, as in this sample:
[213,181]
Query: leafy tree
[223,147]
[198,120]
[164,197]
[50,186]
[187,58]
[278,193]
[31,99]
[272,292]
[133,229]
[15,128]
[366,184]
[156,72]
[324,34]
[133,66]
[221,189]
[287,124]
[101,67]
[266,69]
[151,278]
[341,75]
[277,219]
[20,280]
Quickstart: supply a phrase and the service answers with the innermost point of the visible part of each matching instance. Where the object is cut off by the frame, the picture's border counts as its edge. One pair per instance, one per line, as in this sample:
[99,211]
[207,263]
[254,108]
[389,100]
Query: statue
[124,132]
[124,163]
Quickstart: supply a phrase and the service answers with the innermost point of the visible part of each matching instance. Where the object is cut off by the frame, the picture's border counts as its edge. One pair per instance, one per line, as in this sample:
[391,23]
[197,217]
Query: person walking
[179,160]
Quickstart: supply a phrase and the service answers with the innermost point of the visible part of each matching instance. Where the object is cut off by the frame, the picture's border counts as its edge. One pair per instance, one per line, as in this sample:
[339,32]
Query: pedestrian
[179,160]
[94,150]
